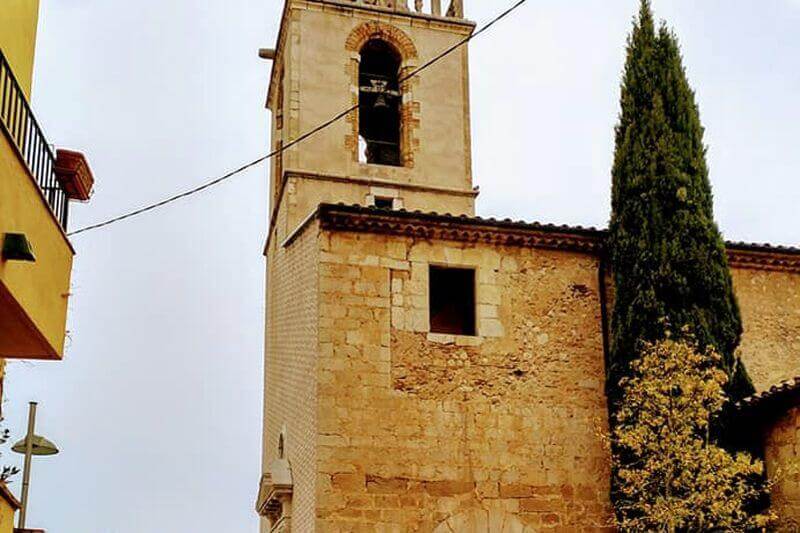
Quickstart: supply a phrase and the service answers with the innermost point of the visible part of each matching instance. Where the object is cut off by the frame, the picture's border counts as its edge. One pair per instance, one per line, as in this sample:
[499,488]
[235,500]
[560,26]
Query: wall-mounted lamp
[17,247]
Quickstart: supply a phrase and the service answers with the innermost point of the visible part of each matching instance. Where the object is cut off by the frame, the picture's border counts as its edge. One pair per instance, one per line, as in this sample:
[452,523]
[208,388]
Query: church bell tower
[353,124]
[406,143]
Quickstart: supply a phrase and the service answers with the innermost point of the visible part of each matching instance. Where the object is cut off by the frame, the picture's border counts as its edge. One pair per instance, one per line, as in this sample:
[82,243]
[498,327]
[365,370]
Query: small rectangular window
[452,300]
[384,203]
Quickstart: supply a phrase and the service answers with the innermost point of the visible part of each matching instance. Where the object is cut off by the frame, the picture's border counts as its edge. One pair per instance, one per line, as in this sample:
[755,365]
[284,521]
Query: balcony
[36,186]
[23,131]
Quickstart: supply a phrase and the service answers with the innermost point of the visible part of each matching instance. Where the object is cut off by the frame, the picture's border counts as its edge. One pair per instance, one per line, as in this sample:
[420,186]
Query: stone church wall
[291,353]
[783,457]
[770,304]
[419,431]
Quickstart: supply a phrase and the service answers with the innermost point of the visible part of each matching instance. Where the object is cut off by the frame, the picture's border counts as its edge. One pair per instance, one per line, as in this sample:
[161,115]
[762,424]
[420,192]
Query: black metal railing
[25,134]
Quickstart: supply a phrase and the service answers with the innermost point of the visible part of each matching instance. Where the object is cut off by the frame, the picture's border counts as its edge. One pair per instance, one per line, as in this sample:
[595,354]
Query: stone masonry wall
[303,196]
[783,456]
[422,432]
[325,40]
[770,303]
[291,353]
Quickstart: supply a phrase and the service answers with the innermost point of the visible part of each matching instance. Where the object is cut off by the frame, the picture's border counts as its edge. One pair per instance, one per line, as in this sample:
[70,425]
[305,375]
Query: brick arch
[409,110]
[386,32]
[482,520]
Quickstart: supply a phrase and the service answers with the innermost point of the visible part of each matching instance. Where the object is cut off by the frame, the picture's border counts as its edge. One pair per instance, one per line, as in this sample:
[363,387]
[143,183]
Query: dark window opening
[379,103]
[452,300]
[384,203]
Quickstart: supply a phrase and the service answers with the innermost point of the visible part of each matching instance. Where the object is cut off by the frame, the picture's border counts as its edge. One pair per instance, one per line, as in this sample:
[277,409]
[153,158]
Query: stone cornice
[511,233]
[459,228]
[416,224]
[764,257]
[377,182]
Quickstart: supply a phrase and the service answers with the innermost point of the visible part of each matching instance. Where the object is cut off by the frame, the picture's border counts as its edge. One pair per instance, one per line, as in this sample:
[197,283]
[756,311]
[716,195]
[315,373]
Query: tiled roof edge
[459,228]
[740,254]
[783,395]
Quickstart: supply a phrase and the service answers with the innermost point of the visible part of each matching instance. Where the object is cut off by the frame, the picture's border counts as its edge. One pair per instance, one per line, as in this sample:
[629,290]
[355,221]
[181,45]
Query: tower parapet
[455,10]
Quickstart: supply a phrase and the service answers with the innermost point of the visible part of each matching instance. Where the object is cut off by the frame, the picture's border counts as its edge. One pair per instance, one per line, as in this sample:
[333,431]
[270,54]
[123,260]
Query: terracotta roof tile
[522,224]
[775,395]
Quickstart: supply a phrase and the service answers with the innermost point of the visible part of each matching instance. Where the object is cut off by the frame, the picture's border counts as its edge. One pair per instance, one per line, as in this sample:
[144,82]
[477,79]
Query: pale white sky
[157,406]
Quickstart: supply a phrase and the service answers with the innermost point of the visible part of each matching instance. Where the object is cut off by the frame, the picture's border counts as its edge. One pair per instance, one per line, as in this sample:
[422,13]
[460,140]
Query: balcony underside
[19,336]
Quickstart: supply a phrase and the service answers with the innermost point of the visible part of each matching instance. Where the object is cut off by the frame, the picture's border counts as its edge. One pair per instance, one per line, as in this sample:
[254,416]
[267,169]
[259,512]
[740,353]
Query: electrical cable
[299,139]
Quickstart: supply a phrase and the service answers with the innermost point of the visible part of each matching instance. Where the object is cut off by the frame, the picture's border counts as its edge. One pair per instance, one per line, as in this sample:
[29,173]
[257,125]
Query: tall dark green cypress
[667,254]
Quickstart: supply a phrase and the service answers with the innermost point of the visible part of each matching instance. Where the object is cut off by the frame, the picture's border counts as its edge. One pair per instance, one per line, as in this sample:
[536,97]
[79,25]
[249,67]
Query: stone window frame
[476,333]
[488,324]
[388,193]
[409,108]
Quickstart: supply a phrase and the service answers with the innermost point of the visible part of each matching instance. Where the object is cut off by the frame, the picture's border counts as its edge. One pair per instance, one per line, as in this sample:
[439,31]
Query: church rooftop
[462,227]
[777,398]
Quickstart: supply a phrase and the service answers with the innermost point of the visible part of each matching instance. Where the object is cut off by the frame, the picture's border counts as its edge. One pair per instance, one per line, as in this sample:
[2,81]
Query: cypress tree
[667,255]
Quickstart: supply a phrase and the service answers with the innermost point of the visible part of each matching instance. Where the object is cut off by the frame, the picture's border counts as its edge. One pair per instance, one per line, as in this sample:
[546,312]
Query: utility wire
[299,139]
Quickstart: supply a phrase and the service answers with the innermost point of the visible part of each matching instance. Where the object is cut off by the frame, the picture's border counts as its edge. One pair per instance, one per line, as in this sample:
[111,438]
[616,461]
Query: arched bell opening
[380,102]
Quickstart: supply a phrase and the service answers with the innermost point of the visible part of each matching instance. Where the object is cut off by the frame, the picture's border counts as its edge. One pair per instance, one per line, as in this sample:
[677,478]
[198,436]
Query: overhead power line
[301,138]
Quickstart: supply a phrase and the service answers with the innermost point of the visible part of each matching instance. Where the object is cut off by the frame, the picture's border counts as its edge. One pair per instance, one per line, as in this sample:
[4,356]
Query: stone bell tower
[408,143]
[404,144]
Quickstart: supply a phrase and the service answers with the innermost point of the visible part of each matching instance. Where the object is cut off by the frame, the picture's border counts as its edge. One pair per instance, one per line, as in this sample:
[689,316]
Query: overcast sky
[157,405]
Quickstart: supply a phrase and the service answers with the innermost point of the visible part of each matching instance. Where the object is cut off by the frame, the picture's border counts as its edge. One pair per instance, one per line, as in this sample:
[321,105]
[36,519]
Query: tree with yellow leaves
[672,476]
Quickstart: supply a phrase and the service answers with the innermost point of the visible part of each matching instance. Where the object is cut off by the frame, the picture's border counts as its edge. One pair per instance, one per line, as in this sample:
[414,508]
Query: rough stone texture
[783,456]
[290,367]
[770,303]
[416,429]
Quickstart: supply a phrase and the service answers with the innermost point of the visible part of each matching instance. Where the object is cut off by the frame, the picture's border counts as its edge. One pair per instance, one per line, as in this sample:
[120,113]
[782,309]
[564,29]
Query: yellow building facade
[9,505]
[427,370]
[37,185]
[19,21]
